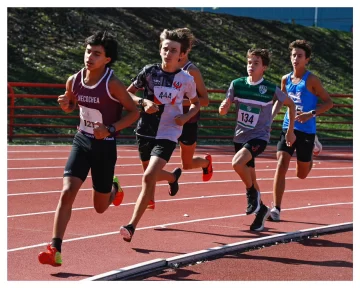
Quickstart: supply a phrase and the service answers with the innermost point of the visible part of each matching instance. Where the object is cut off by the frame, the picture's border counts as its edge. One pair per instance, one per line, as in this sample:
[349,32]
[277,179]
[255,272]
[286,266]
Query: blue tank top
[304,101]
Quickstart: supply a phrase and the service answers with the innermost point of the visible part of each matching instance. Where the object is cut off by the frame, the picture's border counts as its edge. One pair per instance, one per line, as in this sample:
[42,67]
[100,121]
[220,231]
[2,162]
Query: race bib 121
[88,117]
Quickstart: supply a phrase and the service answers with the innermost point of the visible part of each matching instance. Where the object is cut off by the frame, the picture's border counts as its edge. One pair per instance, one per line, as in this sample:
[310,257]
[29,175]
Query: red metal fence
[210,126]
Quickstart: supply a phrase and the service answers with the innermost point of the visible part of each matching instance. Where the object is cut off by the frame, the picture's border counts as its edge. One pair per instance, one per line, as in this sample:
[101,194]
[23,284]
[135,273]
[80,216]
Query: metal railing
[210,126]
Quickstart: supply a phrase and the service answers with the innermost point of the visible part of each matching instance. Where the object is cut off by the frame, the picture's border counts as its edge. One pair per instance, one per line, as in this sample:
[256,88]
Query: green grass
[46,45]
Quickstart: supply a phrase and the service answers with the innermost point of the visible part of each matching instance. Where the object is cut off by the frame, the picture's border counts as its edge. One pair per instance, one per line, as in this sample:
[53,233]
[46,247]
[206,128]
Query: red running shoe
[208,172]
[119,195]
[51,257]
[151,205]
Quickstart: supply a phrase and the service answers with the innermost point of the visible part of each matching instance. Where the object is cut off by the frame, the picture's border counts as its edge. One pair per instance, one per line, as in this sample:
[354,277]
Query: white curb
[173,262]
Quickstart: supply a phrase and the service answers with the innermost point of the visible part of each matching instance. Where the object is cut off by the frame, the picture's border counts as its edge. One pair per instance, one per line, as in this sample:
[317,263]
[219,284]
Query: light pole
[315,16]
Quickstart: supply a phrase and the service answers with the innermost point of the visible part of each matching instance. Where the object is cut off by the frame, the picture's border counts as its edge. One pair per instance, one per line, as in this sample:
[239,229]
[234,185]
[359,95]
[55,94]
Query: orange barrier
[37,112]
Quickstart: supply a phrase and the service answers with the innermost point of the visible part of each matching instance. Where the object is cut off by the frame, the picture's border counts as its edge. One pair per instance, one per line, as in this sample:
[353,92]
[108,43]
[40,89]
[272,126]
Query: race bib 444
[164,95]
[248,116]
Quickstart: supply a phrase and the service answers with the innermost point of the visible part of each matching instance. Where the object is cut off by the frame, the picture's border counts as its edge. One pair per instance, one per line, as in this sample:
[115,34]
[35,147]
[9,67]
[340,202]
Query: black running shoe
[127,232]
[174,187]
[261,216]
[253,202]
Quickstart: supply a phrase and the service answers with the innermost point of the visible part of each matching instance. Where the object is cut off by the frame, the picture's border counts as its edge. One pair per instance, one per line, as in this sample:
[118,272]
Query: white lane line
[175,223]
[174,163]
[61,158]
[136,164]
[64,151]
[157,185]
[263,155]
[203,146]
[187,198]
[140,174]
[135,150]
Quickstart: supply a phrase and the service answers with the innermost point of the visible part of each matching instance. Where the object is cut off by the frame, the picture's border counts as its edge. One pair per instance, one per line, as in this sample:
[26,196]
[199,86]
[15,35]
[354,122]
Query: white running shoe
[274,215]
[317,146]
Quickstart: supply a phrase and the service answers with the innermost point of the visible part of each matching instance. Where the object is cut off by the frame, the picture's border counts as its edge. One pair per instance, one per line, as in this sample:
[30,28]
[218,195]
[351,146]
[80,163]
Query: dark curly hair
[106,40]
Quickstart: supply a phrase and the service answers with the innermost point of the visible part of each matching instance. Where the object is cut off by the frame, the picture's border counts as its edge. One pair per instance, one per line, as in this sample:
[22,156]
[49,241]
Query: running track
[215,210]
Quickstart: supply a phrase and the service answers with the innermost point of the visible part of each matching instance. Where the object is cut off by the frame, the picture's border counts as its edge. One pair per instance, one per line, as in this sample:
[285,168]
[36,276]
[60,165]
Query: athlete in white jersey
[160,125]
[188,138]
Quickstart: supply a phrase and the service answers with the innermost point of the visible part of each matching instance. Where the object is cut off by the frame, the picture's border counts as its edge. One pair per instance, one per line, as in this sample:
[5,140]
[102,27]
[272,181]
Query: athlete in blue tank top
[304,88]
[304,101]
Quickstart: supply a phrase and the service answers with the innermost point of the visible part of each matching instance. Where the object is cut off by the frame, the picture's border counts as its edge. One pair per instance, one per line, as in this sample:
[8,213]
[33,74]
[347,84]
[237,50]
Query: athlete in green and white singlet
[254,102]
[254,98]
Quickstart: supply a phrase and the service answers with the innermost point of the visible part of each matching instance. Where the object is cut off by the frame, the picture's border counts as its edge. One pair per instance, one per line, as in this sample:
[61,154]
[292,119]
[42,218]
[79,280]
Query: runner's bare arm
[276,108]
[181,119]
[200,88]
[290,135]
[132,90]
[118,91]
[283,83]
[67,101]
[194,107]
[278,105]
[148,105]
[226,103]
[224,106]
[292,112]
[318,89]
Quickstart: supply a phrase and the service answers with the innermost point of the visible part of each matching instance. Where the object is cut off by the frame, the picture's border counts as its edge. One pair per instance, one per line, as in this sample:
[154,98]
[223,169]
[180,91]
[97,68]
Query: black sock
[251,190]
[131,227]
[278,207]
[56,242]
[116,186]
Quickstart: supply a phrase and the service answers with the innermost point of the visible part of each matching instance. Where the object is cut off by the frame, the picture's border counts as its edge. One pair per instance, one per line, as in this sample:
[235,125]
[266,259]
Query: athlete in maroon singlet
[101,97]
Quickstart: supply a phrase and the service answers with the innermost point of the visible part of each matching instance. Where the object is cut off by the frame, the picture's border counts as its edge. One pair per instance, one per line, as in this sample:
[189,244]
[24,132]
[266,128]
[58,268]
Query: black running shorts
[161,148]
[99,155]
[303,144]
[255,146]
[189,133]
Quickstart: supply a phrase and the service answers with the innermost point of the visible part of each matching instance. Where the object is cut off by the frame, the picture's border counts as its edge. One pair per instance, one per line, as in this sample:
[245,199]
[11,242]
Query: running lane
[215,210]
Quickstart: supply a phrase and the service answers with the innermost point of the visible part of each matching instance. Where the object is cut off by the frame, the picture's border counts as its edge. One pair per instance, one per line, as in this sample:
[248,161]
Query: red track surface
[326,258]
[93,245]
